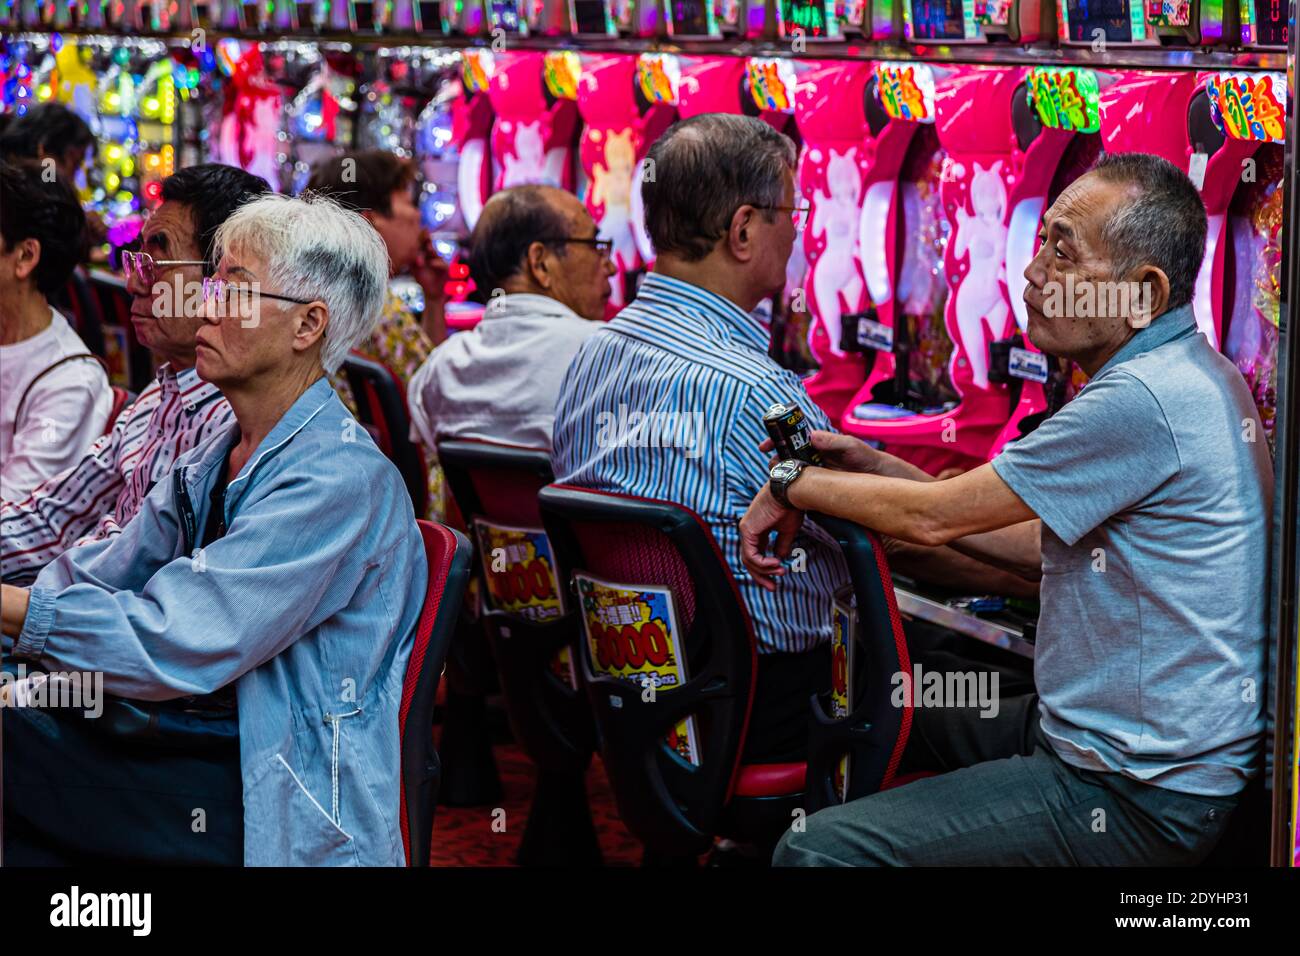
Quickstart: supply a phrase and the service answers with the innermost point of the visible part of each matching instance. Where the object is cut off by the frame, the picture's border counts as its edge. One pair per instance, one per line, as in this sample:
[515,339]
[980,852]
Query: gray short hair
[702,170]
[1163,225]
[313,247]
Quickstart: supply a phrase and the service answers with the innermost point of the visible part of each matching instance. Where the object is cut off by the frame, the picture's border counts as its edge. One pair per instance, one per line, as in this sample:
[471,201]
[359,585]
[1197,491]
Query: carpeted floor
[465,836]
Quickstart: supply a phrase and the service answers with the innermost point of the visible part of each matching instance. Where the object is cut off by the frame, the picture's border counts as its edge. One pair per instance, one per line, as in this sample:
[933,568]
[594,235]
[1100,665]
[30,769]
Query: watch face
[784,470]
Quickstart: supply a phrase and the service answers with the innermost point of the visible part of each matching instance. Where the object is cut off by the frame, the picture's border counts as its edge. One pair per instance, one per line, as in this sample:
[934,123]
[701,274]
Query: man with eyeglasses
[535,256]
[100,493]
[723,215]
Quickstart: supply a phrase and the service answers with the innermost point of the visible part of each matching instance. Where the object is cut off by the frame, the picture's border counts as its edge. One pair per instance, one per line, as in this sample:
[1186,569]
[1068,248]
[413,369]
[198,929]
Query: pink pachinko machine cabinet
[621,119]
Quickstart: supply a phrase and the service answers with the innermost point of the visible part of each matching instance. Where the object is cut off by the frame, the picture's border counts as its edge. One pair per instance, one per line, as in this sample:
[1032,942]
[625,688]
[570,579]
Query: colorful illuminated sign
[692,18]
[940,20]
[1265,22]
[507,15]
[1169,13]
[771,83]
[477,68]
[1066,98]
[906,91]
[1249,106]
[1093,21]
[992,13]
[561,71]
[807,17]
[658,75]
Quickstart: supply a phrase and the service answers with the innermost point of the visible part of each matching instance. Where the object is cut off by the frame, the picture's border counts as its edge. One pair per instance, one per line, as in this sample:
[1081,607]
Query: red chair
[381,407]
[448,555]
[121,398]
[875,732]
[550,719]
[673,807]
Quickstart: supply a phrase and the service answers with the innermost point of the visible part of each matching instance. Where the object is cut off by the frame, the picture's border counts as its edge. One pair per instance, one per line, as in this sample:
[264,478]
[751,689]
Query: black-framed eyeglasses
[798,214]
[220,290]
[146,267]
[603,246]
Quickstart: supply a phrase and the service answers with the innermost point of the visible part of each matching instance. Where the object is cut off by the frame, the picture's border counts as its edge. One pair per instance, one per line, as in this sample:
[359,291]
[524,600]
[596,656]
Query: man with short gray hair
[666,401]
[1143,505]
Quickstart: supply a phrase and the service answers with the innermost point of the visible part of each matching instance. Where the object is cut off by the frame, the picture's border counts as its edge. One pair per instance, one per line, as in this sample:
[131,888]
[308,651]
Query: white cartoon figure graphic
[528,163]
[979,297]
[836,282]
[611,188]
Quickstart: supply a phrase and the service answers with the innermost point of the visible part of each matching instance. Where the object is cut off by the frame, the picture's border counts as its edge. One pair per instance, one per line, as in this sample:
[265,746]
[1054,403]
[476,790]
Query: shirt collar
[717,310]
[1176,324]
[516,305]
[192,389]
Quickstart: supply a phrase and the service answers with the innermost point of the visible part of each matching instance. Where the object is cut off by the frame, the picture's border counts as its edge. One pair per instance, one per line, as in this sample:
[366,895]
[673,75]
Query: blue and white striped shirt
[666,401]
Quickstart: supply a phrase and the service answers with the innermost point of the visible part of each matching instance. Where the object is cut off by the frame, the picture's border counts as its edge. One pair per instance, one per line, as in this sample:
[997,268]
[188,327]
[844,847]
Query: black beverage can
[790,432]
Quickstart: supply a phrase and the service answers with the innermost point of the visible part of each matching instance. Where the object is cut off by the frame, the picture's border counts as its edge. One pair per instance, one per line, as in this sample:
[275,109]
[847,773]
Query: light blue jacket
[309,603]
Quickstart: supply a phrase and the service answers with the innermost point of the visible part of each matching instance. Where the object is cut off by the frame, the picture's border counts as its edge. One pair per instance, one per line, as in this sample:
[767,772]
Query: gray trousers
[1004,798]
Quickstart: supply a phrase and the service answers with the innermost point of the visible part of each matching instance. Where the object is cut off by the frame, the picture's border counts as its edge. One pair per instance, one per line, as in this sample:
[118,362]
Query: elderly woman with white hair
[279,572]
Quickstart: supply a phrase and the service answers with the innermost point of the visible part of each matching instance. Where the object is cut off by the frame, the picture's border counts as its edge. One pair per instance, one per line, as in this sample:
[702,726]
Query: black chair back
[672,805]
[534,643]
[381,407]
[875,731]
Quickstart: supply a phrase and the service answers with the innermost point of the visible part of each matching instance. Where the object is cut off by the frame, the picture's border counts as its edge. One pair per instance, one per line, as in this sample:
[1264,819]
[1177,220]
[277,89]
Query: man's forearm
[892,506]
[890,466]
[931,513]
[1018,548]
[949,567]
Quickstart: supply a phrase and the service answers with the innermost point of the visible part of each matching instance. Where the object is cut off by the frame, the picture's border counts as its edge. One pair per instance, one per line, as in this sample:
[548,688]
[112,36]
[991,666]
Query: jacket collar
[199,475]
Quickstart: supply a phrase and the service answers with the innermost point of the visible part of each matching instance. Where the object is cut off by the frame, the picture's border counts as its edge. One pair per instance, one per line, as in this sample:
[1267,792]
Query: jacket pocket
[286,825]
[331,820]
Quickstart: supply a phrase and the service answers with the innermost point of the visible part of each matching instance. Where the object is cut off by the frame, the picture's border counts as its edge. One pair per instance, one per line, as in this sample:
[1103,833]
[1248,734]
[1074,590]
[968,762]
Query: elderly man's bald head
[540,240]
[512,220]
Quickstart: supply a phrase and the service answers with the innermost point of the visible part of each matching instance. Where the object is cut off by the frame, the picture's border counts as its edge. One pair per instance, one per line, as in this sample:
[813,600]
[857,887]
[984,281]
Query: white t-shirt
[63,414]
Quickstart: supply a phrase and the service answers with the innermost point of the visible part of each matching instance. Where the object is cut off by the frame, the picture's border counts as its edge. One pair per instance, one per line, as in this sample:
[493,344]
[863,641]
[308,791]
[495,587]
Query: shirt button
[1212,814]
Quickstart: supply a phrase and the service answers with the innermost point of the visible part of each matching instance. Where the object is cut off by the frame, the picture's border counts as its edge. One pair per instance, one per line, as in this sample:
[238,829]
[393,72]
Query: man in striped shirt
[666,401]
[96,497]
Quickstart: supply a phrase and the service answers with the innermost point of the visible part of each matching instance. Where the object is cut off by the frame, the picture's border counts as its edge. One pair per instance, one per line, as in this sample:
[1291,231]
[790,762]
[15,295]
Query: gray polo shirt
[1154,486]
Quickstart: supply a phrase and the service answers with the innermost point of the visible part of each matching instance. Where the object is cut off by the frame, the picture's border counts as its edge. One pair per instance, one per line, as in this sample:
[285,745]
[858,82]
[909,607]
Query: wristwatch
[782,476]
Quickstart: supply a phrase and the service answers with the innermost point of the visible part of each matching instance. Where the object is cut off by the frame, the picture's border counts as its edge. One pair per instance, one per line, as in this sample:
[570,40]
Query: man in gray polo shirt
[1144,505]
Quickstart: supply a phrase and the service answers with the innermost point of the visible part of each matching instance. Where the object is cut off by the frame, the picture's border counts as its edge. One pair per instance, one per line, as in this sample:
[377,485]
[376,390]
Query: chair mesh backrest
[507,496]
[439,545]
[629,553]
